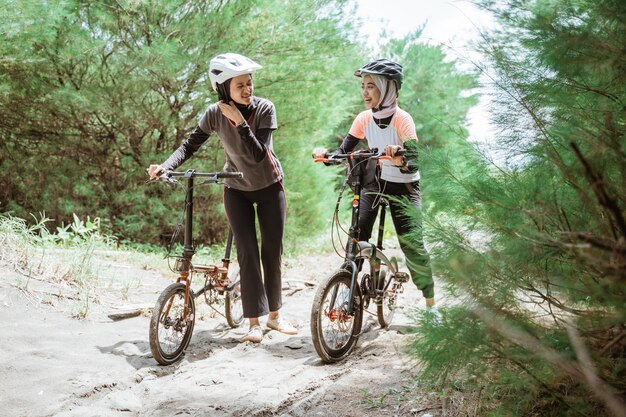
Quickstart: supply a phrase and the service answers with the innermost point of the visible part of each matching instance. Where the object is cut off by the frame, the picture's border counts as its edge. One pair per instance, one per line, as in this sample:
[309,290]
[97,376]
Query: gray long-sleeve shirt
[248,147]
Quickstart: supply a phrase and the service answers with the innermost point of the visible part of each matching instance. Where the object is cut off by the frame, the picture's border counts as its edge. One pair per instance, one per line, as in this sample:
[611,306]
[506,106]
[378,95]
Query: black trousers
[400,196]
[260,291]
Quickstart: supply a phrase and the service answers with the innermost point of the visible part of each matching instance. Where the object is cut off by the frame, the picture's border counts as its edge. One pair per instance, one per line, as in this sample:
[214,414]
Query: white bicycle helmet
[226,66]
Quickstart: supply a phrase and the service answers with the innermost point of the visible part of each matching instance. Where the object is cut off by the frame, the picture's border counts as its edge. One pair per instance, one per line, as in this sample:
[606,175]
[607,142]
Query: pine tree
[535,249]
[94,91]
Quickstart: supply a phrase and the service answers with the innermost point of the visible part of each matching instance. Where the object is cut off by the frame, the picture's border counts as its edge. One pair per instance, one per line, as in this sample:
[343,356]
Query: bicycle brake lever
[168,179]
[213,180]
[161,177]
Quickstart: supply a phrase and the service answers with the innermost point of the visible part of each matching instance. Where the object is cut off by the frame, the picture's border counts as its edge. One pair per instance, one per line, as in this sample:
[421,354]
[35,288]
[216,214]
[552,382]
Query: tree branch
[598,187]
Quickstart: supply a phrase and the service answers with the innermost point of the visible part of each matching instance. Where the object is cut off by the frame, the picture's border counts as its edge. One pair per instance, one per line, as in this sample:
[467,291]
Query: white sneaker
[254,335]
[282,325]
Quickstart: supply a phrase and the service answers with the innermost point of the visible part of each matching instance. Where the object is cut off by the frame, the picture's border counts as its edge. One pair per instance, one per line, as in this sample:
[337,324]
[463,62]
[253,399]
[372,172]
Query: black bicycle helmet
[384,67]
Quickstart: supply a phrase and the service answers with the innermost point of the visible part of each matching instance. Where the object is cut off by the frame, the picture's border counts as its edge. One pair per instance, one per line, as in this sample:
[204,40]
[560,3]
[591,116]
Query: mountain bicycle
[173,317]
[367,275]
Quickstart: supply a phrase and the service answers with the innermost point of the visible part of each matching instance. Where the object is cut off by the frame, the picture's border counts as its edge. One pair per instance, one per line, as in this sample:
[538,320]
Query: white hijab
[388,96]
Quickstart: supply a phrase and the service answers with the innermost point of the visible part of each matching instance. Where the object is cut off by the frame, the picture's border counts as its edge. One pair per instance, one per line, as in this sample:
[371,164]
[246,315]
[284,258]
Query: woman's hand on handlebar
[154,171]
[319,153]
[391,150]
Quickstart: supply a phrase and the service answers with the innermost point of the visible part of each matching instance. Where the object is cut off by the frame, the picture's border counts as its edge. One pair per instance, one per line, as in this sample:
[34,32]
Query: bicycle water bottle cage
[401,277]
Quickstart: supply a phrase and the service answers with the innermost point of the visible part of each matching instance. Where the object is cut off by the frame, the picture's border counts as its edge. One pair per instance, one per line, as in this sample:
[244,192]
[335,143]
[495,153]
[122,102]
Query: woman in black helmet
[244,124]
[387,127]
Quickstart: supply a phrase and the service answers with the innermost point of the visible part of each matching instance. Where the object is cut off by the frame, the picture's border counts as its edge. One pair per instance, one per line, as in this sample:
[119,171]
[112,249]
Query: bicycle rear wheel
[335,330]
[387,298]
[170,333]
[233,309]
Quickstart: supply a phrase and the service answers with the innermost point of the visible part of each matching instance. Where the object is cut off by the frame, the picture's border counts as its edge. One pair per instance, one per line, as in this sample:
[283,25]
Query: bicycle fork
[184,276]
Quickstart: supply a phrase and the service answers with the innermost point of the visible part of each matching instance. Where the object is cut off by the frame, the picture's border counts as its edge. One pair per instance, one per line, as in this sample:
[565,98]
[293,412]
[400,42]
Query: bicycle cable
[336,227]
[181,219]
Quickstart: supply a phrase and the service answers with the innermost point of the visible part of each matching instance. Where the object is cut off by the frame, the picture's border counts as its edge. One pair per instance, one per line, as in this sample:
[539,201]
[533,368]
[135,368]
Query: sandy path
[54,365]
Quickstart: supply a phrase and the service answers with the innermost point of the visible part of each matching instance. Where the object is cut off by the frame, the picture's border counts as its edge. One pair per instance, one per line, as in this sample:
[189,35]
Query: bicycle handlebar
[168,176]
[338,158]
[193,174]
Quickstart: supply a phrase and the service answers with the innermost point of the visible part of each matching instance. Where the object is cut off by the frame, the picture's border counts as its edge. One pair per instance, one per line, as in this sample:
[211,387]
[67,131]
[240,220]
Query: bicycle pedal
[401,277]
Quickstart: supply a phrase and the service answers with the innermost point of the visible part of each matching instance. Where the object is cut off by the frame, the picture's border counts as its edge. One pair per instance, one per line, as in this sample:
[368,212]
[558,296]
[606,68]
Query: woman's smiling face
[369,91]
[241,89]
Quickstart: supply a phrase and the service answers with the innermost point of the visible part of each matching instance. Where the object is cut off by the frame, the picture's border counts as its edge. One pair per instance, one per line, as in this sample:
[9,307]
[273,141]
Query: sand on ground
[53,364]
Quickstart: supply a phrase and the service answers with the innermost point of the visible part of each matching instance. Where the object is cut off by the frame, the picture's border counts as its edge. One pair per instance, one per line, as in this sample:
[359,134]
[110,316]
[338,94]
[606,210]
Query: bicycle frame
[183,264]
[343,297]
[171,324]
[354,247]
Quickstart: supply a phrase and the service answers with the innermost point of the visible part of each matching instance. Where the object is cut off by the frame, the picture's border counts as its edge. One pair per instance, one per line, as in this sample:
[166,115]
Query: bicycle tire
[169,335]
[326,321]
[386,302]
[233,308]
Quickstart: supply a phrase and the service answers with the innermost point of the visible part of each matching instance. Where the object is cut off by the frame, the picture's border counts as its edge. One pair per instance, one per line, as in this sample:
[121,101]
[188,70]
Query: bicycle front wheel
[334,329]
[170,332]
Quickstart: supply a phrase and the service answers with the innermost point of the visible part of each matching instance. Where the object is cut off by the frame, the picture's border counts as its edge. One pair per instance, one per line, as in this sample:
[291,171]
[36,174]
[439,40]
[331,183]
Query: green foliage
[434,91]
[438,95]
[93,92]
[78,231]
[536,248]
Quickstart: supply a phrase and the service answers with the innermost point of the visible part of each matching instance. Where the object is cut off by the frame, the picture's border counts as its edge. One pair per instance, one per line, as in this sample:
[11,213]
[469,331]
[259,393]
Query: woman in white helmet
[244,124]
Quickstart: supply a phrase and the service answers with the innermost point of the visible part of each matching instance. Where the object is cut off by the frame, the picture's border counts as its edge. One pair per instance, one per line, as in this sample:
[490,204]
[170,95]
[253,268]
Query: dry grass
[36,254]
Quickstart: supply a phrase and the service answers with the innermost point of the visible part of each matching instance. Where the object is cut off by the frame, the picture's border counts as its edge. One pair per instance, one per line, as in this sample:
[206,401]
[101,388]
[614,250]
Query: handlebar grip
[329,161]
[230,175]
[385,157]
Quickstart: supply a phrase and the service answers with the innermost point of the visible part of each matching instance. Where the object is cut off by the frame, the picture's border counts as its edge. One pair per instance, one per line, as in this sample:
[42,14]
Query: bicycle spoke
[170,330]
[336,322]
